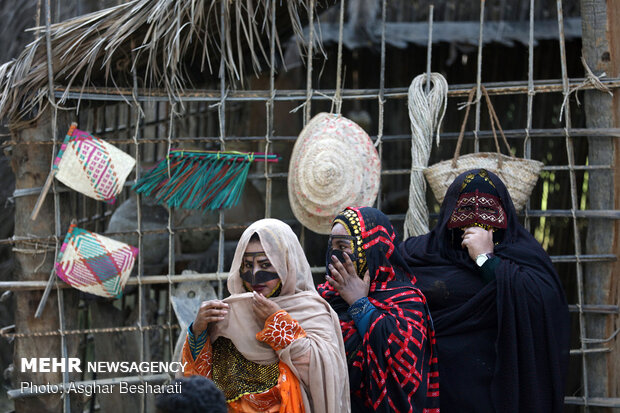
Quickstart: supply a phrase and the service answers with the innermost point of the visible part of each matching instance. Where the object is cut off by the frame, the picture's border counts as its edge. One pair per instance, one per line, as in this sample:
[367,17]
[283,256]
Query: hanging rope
[590,80]
[426,111]
[337,101]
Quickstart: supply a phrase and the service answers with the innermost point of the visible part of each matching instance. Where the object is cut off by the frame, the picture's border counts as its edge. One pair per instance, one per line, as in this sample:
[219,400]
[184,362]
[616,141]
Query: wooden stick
[48,287]
[50,177]
[46,294]
[43,195]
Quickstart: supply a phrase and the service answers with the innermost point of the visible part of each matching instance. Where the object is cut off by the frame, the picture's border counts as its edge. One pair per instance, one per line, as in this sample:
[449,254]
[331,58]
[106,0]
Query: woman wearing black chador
[499,311]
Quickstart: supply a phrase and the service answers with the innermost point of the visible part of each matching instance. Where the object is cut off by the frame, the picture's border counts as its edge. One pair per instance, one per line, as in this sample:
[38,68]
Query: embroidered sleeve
[199,364]
[360,311]
[280,330]
[196,343]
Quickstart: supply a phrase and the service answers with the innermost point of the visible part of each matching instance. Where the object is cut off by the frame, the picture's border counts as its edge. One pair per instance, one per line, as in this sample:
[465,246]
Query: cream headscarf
[318,360]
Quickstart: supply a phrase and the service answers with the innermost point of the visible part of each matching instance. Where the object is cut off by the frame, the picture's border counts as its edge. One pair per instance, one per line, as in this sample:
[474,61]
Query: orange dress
[280,330]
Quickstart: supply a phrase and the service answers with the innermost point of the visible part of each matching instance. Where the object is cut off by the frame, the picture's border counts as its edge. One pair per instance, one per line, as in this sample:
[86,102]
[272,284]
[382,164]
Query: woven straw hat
[334,165]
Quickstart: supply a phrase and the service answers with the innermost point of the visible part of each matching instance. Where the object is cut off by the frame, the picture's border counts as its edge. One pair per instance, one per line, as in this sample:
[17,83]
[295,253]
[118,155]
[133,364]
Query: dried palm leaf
[170,37]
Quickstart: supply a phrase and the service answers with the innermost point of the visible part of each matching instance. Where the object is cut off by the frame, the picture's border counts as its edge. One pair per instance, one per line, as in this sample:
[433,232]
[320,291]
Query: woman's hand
[345,280]
[477,241]
[209,312]
[263,307]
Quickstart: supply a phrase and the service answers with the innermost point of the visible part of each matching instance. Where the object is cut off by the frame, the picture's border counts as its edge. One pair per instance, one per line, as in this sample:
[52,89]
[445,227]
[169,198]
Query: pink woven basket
[92,166]
[95,264]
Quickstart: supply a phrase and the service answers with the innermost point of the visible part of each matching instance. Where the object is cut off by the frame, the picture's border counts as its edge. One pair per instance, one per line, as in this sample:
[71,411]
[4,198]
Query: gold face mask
[350,221]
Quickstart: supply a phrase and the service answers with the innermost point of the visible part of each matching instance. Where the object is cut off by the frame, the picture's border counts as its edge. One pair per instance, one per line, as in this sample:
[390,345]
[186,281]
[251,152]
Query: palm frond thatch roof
[168,44]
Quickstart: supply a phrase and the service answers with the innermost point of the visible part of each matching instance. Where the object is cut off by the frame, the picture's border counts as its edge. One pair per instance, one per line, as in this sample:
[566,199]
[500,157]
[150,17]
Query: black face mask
[259,277]
[339,254]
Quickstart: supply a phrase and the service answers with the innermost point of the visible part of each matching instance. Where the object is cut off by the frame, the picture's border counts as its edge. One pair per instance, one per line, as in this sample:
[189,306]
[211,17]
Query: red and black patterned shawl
[393,368]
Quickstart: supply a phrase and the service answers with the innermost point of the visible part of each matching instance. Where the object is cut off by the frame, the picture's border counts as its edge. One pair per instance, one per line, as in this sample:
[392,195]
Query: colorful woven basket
[92,166]
[95,264]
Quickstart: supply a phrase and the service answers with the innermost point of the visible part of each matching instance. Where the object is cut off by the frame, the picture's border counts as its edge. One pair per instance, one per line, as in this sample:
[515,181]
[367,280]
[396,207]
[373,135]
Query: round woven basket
[519,175]
[334,164]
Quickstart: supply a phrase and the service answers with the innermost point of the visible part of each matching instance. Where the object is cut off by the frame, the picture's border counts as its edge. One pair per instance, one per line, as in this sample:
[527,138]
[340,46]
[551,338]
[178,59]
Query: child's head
[197,394]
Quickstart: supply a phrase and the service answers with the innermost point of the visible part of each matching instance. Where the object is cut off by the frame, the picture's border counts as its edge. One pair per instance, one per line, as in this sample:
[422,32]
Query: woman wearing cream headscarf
[274,345]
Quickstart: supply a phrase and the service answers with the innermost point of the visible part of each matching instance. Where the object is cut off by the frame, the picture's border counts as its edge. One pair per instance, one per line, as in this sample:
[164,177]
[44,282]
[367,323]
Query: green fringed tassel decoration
[200,179]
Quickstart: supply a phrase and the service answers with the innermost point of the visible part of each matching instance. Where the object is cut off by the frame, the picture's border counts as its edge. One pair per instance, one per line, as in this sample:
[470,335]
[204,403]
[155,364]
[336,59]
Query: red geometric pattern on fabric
[381,239]
[394,365]
[404,352]
[280,330]
[349,328]
[386,270]
[377,229]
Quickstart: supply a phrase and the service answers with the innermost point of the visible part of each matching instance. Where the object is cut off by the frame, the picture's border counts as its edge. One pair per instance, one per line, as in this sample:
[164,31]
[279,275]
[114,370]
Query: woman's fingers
[350,268]
[367,278]
[209,312]
[213,310]
[262,307]
[260,300]
[256,305]
[214,319]
[335,272]
[467,239]
[340,268]
[213,304]
[332,282]
[214,313]
[474,230]
[341,273]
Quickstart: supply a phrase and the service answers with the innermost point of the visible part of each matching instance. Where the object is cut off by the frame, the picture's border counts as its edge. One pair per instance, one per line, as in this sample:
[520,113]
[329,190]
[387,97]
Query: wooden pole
[31,164]
[601,50]
[613,25]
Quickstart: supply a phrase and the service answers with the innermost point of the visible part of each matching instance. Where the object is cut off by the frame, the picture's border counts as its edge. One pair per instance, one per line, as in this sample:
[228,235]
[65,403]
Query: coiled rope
[426,112]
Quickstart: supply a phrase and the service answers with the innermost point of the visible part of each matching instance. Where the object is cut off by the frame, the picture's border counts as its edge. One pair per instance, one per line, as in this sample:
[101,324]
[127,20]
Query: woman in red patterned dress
[274,345]
[388,333]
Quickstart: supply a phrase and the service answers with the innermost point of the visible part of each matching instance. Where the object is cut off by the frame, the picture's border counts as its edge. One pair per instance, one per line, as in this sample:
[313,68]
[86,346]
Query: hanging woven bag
[95,264]
[89,165]
[518,174]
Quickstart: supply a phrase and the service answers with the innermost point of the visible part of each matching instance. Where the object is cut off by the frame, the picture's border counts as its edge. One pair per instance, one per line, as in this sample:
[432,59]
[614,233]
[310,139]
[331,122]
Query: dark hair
[198,395]
[254,237]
